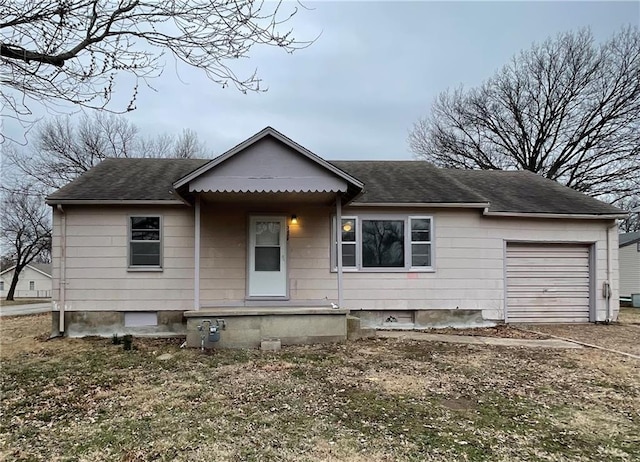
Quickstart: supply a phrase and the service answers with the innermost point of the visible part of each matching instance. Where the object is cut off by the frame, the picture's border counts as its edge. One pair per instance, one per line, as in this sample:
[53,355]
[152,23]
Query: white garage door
[547,283]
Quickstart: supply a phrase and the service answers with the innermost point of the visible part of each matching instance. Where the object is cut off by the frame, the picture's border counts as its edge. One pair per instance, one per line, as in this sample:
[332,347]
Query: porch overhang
[268,164]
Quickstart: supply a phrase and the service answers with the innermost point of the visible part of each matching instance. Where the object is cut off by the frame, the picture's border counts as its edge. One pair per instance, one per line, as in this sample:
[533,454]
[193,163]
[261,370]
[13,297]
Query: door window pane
[267,233]
[267,258]
[382,243]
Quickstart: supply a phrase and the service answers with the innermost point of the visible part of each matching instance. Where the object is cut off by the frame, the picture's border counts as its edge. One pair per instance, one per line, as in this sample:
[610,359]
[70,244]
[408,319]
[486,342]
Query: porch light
[346,227]
[294,219]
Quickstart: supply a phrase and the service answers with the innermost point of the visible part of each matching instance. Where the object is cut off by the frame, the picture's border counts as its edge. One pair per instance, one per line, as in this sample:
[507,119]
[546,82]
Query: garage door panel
[547,283]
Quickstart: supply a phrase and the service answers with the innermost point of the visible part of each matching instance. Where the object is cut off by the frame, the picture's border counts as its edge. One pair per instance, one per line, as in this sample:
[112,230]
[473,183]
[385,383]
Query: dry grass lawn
[23,301]
[375,400]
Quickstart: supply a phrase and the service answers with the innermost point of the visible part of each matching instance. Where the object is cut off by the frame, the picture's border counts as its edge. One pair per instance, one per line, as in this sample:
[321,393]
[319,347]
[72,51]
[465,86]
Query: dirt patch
[615,336]
[629,316]
[499,331]
[371,400]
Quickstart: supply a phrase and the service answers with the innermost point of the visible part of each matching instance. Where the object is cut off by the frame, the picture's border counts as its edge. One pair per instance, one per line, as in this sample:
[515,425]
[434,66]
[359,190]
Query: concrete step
[355,331]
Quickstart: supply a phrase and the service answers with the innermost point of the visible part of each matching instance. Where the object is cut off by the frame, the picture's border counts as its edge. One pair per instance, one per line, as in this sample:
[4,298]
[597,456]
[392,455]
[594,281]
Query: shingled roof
[385,182]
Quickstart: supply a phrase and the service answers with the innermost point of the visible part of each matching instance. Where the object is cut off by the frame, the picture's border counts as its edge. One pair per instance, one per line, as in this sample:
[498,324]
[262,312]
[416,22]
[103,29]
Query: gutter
[465,205]
[112,202]
[578,216]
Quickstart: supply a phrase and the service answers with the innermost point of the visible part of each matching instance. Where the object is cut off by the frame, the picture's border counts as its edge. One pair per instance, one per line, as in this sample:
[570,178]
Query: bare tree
[567,109]
[63,150]
[26,230]
[73,50]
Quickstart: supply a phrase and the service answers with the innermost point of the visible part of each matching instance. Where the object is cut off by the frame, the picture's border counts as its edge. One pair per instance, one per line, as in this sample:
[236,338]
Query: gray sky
[355,93]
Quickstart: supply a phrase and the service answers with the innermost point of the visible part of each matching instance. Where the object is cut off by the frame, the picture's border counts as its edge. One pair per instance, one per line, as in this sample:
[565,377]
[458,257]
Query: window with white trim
[1,285]
[385,242]
[420,242]
[32,285]
[349,242]
[145,242]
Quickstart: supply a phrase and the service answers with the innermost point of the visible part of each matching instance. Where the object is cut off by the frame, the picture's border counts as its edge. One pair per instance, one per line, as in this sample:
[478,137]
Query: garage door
[547,283]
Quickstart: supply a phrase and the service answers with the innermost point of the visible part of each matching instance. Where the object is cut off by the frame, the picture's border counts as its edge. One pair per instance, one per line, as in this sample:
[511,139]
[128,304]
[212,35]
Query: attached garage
[548,283]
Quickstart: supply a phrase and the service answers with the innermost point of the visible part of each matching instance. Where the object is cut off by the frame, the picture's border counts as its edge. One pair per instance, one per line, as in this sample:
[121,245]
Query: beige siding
[629,270]
[469,263]
[224,253]
[468,256]
[97,272]
[41,283]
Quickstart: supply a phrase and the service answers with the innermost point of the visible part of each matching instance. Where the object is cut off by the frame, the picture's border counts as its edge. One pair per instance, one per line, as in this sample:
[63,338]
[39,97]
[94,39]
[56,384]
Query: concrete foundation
[421,319]
[107,323]
[248,327]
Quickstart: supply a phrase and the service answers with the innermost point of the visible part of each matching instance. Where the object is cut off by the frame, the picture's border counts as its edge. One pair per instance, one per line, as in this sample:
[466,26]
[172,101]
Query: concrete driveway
[19,310]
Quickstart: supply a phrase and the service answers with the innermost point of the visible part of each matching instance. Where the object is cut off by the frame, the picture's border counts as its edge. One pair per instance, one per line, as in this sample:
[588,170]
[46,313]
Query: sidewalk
[473,340]
[20,310]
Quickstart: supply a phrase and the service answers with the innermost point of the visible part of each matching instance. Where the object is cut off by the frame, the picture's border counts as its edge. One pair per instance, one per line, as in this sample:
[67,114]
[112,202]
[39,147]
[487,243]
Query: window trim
[430,242]
[406,218]
[32,286]
[159,266]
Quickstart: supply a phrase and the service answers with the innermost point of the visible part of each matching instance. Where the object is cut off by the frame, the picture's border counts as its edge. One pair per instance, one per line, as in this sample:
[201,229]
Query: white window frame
[429,242]
[157,267]
[334,247]
[32,285]
[408,267]
[2,286]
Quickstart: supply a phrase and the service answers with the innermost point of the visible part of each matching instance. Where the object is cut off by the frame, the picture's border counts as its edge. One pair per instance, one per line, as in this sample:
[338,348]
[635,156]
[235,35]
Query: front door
[267,256]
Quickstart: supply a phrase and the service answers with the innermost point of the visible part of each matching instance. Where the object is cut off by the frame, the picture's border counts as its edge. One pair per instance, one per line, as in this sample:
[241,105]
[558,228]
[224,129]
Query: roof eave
[50,201]
[577,216]
[464,205]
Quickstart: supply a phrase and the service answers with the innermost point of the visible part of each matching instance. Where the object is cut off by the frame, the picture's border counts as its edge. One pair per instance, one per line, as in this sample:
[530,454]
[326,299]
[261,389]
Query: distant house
[34,281]
[629,261]
[278,242]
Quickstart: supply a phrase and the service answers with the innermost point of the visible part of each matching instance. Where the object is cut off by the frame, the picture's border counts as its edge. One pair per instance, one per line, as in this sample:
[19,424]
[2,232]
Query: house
[34,281]
[629,258]
[270,240]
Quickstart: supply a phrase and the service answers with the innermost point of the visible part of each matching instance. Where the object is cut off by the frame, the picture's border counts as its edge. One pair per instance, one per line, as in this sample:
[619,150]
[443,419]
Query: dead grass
[629,316]
[374,400]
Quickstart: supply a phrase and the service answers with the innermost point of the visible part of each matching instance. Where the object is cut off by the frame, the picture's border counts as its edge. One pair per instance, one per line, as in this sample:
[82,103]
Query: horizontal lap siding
[547,283]
[224,252]
[97,260]
[629,270]
[469,263]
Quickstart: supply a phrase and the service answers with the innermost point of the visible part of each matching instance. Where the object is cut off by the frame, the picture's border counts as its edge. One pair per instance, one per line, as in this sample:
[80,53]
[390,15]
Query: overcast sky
[375,69]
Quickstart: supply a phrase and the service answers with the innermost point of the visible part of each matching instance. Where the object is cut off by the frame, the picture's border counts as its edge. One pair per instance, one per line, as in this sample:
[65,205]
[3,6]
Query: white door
[267,256]
[547,283]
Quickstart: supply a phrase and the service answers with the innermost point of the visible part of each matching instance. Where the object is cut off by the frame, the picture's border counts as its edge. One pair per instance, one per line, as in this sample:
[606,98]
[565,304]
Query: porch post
[196,257]
[339,252]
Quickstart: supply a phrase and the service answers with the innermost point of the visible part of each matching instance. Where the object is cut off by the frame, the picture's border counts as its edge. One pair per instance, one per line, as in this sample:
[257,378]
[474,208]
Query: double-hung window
[394,243]
[145,242]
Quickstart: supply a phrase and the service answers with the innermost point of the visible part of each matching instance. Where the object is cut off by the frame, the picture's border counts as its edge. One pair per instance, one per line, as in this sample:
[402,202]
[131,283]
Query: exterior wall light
[294,219]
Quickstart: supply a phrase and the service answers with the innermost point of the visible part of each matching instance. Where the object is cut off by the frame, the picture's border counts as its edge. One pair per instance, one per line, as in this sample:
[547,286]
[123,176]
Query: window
[144,242]
[379,242]
[32,285]
[420,242]
[382,244]
[1,285]
[349,242]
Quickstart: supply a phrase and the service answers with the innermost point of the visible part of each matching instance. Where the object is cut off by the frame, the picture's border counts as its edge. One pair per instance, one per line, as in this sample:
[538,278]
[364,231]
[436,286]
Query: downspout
[63,267]
[608,287]
[339,252]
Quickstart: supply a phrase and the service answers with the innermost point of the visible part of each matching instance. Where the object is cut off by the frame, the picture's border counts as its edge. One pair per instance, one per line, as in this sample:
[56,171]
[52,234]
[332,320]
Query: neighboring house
[629,258]
[34,281]
[269,237]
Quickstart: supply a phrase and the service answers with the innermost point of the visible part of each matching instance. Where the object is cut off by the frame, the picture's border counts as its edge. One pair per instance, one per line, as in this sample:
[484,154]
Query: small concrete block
[270,345]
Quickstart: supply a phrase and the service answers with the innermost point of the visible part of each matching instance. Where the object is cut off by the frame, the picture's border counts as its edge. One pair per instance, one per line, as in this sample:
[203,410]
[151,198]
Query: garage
[547,283]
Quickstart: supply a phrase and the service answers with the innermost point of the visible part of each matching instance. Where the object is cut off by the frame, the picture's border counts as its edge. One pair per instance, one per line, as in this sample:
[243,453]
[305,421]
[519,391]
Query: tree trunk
[14,283]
